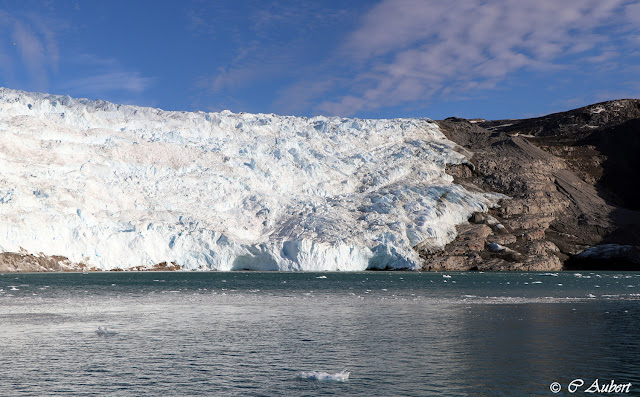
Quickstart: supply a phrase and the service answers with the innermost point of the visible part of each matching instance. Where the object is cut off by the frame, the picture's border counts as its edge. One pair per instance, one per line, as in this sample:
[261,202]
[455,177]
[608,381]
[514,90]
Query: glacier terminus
[119,186]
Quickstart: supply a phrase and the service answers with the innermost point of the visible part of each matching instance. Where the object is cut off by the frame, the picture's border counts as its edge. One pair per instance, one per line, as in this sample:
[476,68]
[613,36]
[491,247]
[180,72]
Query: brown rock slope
[573,182]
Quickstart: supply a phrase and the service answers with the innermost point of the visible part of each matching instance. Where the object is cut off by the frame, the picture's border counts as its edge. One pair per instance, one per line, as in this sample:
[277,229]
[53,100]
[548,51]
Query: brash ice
[115,186]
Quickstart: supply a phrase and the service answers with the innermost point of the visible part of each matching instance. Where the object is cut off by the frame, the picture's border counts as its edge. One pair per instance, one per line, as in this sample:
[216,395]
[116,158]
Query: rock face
[570,177]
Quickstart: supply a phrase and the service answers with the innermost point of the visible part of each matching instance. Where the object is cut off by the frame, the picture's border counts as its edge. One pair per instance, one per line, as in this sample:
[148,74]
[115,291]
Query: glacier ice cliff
[118,186]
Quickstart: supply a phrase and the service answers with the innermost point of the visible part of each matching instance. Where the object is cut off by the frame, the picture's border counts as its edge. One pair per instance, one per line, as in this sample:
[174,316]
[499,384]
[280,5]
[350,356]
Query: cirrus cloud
[416,50]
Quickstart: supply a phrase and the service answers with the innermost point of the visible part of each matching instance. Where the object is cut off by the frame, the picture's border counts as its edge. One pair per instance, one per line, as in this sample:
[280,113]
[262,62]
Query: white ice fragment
[104,331]
[341,376]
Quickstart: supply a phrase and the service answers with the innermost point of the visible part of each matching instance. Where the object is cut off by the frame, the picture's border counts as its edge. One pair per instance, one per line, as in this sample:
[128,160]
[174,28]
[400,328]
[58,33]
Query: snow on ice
[115,186]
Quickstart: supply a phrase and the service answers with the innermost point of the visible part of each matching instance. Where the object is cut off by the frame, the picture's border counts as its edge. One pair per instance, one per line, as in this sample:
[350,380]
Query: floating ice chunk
[341,376]
[104,331]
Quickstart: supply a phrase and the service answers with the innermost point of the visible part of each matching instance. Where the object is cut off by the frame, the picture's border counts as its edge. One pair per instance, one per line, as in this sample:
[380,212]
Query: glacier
[120,186]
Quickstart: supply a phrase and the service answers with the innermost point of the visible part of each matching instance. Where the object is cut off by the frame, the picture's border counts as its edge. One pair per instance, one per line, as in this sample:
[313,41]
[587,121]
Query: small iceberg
[341,376]
[321,277]
[103,331]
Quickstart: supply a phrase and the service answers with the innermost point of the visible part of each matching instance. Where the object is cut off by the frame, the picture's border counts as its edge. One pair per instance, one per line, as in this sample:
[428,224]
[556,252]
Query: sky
[490,59]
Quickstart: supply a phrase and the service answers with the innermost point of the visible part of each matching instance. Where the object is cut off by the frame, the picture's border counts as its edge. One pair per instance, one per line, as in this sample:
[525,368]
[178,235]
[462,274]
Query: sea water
[263,334]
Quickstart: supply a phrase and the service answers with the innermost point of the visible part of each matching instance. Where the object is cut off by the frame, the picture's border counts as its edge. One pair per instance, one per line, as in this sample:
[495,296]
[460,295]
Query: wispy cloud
[117,81]
[30,57]
[105,78]
[6,64]
[633,88]
[271,42]
[30,45]
[32,52]
[415,50]
[48,39]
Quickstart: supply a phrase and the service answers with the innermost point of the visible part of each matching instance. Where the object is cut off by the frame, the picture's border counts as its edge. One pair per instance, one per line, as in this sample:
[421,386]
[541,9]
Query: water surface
[250,333]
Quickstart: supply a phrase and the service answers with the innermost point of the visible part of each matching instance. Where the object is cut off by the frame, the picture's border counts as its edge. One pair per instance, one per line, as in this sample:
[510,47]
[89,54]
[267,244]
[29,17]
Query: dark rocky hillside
[573,182]
[582,121]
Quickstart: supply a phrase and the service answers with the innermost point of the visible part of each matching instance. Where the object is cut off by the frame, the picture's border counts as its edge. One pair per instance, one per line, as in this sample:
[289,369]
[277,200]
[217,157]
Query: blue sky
[370,59]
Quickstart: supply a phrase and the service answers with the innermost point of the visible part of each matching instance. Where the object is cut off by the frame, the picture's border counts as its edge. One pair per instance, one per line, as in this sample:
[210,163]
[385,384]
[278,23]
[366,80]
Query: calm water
[248,333]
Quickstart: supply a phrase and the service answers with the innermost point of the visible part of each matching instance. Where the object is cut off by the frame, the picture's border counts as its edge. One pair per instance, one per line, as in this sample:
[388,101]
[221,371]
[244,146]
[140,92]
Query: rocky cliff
[572,182]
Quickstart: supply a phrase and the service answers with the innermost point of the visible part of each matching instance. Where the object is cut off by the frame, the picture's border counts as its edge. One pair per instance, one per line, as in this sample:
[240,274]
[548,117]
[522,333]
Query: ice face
[115,186]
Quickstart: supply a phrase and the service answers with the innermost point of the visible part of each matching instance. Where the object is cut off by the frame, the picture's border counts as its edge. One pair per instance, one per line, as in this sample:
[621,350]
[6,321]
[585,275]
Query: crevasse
[118,186]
